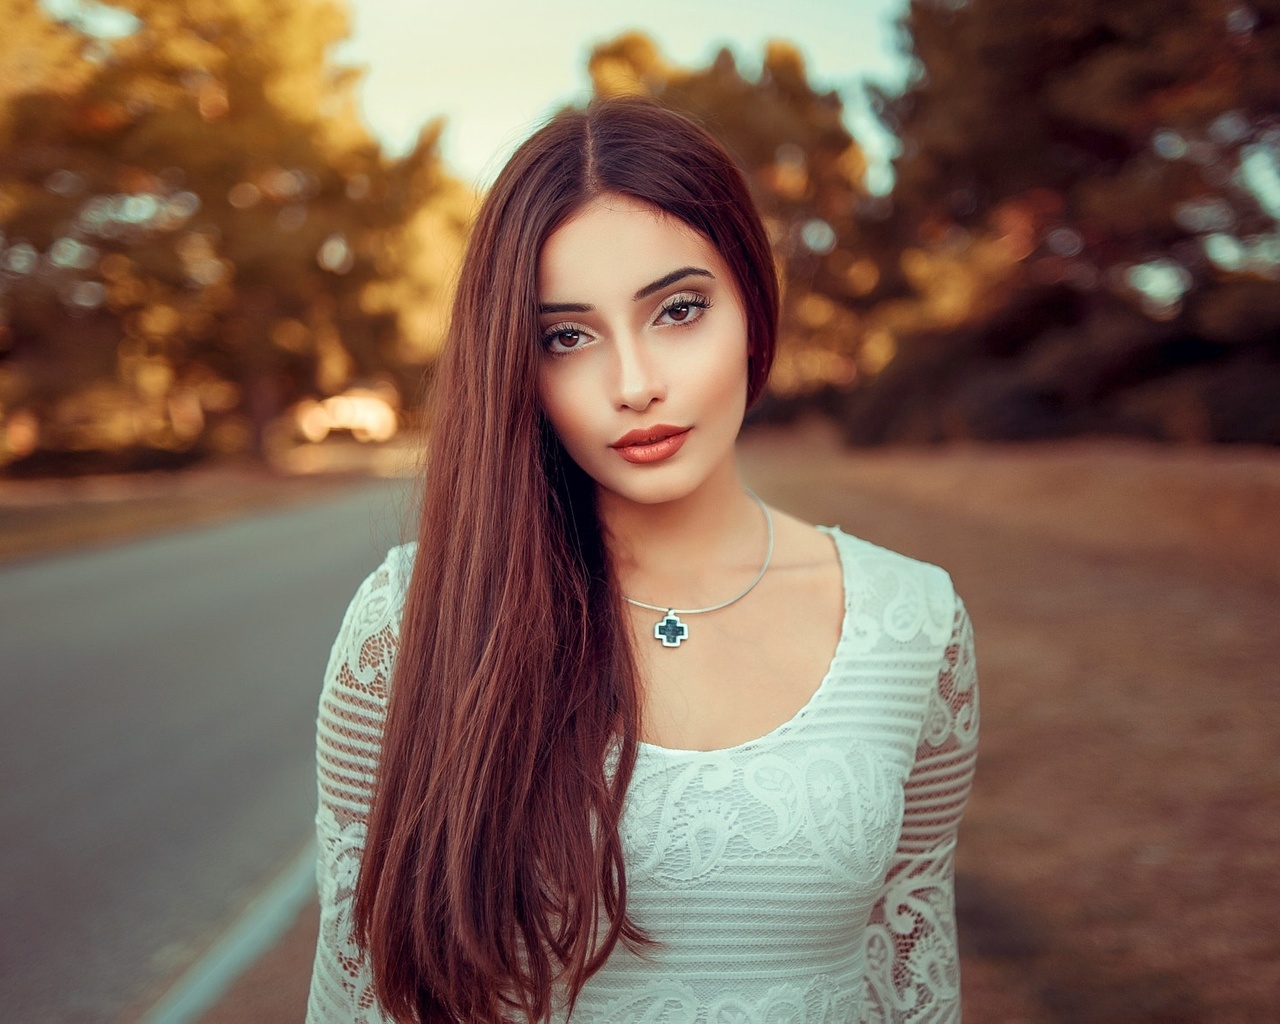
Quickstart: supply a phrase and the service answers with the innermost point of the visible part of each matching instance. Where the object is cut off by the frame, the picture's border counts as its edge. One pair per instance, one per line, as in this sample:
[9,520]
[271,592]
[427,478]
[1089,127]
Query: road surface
[157,706]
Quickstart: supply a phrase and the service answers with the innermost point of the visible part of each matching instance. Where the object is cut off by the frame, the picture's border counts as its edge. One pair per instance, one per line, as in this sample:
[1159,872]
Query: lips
[652,444]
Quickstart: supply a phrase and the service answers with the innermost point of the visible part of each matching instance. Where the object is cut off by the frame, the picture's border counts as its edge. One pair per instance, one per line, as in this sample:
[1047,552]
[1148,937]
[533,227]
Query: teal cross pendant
[670,630]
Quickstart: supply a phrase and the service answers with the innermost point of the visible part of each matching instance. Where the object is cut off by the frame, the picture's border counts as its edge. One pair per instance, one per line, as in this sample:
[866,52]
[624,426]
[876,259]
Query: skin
[622,351]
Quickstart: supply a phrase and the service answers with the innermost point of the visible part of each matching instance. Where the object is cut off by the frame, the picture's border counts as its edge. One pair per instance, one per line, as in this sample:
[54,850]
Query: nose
[640,380]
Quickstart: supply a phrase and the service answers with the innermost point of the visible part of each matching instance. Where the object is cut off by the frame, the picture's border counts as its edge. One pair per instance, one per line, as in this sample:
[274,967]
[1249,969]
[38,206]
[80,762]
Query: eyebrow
[643,293]
[671,278]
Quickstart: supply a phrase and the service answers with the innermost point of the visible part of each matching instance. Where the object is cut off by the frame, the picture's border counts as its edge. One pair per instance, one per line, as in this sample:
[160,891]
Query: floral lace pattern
[802,878]
[913,962]
[348,739]
[841,808]
[676,1003]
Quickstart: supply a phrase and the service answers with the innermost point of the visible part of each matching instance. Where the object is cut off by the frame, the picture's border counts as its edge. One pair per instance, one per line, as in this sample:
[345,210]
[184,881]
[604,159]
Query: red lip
[652,444]
[647,435]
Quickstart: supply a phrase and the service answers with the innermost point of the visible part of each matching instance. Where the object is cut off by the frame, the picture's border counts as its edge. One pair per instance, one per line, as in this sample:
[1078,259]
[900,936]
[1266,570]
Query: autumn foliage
[1083,235]
[199,237]
[198,231]
[1110,173]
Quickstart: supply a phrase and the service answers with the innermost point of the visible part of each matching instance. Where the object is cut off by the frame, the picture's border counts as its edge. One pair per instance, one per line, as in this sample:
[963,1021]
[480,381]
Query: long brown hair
[493,872]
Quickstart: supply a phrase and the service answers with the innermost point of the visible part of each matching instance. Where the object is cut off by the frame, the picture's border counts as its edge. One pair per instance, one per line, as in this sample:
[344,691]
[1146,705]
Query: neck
[682,552]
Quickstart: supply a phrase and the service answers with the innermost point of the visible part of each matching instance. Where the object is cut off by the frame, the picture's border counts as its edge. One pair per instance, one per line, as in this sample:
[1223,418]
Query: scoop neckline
[835,533]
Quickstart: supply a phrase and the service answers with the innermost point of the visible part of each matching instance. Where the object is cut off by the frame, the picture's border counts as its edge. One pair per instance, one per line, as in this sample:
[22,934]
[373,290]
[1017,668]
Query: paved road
[157,703]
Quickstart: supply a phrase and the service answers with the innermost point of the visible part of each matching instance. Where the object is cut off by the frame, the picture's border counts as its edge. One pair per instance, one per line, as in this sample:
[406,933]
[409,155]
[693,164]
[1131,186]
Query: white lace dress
[802,877]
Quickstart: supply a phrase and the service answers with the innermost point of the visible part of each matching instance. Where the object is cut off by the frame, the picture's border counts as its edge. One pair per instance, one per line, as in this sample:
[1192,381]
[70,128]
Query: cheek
[559,393]
[725,373]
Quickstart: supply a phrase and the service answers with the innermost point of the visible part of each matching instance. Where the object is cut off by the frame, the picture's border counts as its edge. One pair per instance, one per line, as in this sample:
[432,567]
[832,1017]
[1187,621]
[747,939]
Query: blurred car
[368,414]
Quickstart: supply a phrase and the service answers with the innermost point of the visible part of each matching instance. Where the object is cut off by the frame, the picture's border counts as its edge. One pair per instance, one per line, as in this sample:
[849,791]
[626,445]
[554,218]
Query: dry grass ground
[1118,860]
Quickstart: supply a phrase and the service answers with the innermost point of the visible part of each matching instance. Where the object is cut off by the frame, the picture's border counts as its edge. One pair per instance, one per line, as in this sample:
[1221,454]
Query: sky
[496,68]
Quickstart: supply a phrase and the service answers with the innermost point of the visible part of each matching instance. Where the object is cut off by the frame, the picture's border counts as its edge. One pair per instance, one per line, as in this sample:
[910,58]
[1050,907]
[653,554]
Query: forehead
[616,244]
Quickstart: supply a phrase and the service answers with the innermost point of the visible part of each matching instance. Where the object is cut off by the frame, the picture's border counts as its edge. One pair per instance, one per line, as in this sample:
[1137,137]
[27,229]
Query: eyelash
[686,299]
[689,299]
[555,332]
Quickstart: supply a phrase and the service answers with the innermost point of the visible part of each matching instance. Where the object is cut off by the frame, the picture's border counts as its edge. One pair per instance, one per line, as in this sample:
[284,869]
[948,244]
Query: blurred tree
[38,53]
[807,174]
[1096,187]
[199,233]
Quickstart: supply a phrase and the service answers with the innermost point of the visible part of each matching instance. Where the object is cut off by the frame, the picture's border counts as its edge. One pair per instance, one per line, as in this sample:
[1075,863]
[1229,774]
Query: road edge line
[262,924]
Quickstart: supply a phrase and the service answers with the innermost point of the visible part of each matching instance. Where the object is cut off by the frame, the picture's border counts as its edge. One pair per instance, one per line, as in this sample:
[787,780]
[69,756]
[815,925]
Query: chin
[654,485]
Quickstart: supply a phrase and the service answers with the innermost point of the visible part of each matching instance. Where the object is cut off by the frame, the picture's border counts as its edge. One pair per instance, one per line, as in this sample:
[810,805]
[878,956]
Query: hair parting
[493,882]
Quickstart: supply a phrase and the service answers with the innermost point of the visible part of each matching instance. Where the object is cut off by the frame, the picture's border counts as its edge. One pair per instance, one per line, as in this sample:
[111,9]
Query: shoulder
[364,651]
[905,619]
[379,600]
[911,601]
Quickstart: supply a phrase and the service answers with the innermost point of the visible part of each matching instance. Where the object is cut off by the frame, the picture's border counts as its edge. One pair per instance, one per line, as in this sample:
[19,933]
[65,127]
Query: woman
[620,774]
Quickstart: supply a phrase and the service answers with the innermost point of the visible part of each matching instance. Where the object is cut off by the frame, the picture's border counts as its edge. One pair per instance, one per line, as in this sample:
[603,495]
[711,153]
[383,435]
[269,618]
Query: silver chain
[768,555]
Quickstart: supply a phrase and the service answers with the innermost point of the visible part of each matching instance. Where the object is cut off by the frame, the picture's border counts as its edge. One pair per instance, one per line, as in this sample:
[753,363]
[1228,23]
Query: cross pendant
[670,630]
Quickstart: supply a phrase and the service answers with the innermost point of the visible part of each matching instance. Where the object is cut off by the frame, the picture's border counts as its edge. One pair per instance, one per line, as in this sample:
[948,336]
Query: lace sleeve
[913,962]
[348,739]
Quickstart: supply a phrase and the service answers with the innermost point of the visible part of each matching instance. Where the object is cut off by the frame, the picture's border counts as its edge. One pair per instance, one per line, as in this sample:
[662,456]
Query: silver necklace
[670,629]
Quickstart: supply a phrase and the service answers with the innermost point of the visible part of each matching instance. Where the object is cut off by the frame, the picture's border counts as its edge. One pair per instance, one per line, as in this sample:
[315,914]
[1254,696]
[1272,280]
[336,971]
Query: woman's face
[643,370]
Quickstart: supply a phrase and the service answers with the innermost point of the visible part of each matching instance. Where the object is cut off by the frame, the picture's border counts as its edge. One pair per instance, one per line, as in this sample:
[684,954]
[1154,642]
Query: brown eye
[683,309]
[563,340]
